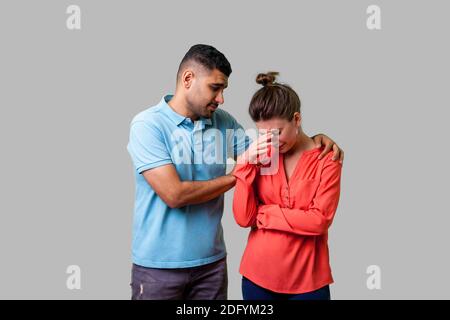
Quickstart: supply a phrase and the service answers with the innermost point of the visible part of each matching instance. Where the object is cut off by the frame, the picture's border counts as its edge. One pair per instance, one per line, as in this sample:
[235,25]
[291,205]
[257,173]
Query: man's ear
[187,78]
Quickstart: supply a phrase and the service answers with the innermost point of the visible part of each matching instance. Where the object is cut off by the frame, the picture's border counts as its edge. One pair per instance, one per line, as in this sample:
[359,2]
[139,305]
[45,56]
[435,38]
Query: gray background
[67,98]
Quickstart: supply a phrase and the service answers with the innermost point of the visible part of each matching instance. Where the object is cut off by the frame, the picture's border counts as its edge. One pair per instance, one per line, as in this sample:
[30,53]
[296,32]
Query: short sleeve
[147,147]
[240,141]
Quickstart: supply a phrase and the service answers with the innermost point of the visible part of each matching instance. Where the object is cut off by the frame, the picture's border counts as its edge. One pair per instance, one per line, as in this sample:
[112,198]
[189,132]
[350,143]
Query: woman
[289,210]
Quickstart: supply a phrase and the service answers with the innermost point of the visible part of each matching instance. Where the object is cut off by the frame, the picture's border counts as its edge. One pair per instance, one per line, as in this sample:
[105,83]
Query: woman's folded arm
[317,218]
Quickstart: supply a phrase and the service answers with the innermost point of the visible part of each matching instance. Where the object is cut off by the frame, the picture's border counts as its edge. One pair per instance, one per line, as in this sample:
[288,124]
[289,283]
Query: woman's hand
[258,152]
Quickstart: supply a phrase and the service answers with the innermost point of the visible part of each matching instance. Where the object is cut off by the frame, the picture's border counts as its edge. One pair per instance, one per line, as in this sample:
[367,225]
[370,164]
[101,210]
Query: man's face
[206,92]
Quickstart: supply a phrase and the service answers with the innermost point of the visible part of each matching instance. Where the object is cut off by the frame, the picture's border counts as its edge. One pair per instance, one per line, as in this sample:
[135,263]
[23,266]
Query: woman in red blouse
[289,209]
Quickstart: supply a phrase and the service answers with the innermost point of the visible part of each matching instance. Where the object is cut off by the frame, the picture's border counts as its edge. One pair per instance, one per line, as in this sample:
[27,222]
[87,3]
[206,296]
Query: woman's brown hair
[273,100]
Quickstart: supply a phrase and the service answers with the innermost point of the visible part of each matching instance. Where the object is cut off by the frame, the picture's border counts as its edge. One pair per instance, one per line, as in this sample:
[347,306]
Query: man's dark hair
[207,56]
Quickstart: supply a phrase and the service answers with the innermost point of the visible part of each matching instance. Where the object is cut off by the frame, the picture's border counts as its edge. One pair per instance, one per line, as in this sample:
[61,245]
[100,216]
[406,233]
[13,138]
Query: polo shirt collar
[174,116]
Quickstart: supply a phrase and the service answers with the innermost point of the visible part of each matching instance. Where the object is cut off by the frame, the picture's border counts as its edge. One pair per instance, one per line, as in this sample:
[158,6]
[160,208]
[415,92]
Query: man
[178,246]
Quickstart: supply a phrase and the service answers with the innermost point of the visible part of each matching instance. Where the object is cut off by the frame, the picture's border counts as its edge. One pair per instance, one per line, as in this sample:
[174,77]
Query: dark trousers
[208,282]
[251,291]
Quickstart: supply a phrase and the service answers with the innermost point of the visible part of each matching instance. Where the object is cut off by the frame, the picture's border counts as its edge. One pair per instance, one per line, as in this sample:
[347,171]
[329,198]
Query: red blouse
[287,249]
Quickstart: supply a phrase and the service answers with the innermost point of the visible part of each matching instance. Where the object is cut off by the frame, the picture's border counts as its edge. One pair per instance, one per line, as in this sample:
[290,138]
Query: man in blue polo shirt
[179,150]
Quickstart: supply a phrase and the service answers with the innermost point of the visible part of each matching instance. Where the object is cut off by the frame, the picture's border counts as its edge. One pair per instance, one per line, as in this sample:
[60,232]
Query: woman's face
[287,130]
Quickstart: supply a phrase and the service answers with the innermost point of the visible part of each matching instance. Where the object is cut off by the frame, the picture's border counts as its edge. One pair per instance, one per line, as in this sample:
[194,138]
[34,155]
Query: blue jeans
[251,291]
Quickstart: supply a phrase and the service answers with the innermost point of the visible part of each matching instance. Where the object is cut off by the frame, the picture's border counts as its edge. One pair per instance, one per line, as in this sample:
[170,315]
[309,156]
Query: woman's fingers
[260,148]
[265,137]
[264,155]
[259,151]
[263,145]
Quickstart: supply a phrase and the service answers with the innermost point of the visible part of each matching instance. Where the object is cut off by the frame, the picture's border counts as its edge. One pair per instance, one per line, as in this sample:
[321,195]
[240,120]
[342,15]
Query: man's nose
[219,98]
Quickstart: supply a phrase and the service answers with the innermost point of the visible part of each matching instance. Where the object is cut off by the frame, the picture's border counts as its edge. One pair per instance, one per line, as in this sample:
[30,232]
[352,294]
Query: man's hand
[323,140]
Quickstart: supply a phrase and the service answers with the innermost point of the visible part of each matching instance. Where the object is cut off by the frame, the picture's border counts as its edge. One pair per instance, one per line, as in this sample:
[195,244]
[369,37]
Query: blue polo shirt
[192,235]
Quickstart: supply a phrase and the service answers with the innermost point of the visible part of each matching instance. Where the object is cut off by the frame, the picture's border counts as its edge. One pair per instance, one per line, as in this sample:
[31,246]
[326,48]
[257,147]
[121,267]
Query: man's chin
[208,114]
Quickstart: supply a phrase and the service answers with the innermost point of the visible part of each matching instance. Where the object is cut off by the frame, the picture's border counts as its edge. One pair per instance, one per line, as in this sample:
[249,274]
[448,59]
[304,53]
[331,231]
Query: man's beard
[208,111]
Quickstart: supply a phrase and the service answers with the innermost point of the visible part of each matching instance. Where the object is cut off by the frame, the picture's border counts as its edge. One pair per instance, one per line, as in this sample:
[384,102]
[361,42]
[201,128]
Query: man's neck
[180,106]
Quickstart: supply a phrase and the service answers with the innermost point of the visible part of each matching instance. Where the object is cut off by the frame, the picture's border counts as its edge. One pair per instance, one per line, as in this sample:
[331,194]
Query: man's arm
[176,193]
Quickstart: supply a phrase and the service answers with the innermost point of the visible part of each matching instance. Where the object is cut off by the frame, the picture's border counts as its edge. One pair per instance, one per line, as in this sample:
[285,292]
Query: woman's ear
[297,119]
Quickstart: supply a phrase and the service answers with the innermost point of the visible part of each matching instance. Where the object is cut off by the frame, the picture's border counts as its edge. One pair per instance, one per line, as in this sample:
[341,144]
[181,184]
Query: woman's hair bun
[266,78]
